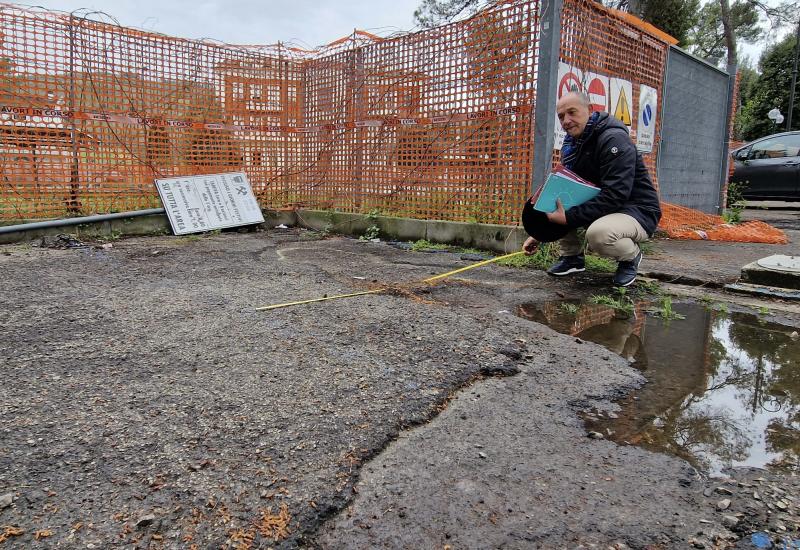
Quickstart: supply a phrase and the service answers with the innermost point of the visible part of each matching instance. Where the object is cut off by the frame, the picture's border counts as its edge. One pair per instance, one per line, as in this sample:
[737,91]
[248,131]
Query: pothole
[723,387]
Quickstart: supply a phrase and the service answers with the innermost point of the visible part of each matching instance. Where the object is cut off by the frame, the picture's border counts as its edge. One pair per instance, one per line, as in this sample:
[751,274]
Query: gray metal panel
[694,139]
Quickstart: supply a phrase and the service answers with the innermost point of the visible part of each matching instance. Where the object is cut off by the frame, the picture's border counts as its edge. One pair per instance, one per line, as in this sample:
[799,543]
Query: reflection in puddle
[723,389]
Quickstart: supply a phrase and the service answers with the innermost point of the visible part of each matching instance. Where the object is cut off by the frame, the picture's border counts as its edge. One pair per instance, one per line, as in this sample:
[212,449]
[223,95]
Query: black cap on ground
[539,227]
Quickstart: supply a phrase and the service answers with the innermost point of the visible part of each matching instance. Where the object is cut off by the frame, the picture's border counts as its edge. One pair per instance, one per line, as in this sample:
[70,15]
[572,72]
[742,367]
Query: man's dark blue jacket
[609,159]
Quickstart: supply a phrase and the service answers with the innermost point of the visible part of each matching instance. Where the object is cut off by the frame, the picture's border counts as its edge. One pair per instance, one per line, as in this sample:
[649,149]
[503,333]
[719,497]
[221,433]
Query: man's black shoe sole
[629,283]
[567,272]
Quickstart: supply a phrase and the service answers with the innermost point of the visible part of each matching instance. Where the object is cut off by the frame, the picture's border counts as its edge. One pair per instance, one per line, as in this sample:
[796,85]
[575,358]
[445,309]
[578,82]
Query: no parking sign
[646,127]
[570,79]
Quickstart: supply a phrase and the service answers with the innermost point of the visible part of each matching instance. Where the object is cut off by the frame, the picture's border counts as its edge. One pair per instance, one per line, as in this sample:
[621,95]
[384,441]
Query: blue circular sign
[647,115]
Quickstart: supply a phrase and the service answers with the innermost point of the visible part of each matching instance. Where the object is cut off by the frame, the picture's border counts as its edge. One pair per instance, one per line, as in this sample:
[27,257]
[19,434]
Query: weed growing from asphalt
[621,303]
[646,247]
[373,231]
[422,245]
[649,287]
[311,235]
[600,264]
[569,309]
[736,203]
[545,256]
[114,235]
[665,311]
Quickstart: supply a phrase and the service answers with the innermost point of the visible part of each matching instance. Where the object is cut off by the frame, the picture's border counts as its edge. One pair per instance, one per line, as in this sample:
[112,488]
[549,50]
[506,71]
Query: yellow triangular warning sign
[623,110]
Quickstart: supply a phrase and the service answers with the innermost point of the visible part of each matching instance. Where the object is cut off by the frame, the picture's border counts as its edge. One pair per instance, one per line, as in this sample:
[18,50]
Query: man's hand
[558,215]
[530,246]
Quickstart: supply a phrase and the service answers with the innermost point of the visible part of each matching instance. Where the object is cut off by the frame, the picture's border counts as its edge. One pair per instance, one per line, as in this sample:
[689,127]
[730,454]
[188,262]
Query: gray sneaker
[627,270]
[567,265]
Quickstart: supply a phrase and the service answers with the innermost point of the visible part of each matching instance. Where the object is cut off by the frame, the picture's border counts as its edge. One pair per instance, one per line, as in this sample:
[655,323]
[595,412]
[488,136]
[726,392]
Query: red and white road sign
[570,82]
[598,94]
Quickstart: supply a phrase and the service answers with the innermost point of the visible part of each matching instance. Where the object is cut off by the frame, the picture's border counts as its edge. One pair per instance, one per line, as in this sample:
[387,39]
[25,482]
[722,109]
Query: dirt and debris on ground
[147,404]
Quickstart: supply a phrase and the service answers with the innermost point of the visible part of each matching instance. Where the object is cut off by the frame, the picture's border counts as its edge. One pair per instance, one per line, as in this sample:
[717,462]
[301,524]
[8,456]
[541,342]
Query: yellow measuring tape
[378,290]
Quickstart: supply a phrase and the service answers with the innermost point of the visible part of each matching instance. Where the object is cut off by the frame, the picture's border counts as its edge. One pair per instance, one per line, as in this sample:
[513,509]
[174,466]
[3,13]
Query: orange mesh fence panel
[91,113]
[680,222]
[429,125]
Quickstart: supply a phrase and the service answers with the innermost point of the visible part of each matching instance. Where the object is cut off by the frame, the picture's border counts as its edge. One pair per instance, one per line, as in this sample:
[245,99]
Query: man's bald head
[574,110]
[580,97]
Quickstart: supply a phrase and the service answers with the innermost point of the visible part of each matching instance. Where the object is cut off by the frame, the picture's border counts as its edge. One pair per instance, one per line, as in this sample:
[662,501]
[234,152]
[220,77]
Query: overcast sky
[306,23]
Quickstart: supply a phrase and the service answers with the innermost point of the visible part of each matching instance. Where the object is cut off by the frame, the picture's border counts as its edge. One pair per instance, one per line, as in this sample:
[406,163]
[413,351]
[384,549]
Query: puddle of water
[723,388]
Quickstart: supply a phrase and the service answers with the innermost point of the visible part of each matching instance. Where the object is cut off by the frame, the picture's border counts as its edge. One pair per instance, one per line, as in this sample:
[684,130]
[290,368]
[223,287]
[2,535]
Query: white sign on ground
[646,126]
[211,201]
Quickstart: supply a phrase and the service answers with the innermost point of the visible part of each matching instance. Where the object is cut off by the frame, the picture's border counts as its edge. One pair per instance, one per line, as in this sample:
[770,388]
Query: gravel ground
[147,404]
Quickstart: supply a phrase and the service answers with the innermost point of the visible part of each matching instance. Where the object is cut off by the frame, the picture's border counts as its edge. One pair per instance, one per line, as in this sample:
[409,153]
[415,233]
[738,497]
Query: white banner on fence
[211,201]
[646,125]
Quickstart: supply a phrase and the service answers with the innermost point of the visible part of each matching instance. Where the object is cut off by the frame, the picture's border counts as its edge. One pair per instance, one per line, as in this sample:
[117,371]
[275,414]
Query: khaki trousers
[613,236]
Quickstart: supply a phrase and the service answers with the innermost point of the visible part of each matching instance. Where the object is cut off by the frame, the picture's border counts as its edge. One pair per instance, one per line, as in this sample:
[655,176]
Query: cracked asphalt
[145,403]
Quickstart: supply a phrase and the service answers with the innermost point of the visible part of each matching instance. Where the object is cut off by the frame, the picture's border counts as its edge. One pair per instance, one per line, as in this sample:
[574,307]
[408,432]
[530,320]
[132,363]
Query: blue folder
[571,193]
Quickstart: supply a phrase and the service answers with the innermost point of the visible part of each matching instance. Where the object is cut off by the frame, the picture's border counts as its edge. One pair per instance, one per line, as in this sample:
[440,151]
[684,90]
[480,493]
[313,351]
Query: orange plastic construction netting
[435,124]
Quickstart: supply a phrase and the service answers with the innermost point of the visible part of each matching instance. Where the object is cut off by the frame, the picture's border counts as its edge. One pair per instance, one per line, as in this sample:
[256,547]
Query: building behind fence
[436,124]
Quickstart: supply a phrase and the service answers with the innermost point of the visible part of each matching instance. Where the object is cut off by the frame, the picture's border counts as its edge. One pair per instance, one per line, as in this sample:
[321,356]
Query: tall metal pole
[546,89]
[725,159]
[794,79]
[73,204]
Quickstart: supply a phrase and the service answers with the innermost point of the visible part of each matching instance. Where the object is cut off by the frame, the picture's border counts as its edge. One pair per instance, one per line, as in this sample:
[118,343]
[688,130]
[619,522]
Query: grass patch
[544,258]
[646,247]
[422,245]
[665,311]
[189,238]
[648,288]
[599,264]
[621,303]
[569,309]
[309,235]
[427,246]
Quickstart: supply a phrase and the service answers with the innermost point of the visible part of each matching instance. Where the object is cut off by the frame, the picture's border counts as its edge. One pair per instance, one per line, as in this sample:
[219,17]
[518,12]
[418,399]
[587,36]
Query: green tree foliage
[770,90]
[674,17]
[431,13]
[748,77]
[706,38]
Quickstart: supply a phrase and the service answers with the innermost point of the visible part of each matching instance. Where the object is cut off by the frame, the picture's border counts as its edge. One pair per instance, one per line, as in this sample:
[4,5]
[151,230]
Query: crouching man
[626,212]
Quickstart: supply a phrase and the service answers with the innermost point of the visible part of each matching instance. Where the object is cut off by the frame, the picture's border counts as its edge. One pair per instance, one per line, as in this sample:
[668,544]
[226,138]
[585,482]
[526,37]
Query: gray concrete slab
[716,263]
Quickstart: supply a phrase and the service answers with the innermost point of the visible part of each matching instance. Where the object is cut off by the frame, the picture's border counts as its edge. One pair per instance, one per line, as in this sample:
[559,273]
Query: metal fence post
[725,160]
[546,89]
[73,202]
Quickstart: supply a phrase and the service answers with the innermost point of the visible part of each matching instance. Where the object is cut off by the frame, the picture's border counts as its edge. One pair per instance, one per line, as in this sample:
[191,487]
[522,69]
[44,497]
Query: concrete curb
[497,238]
